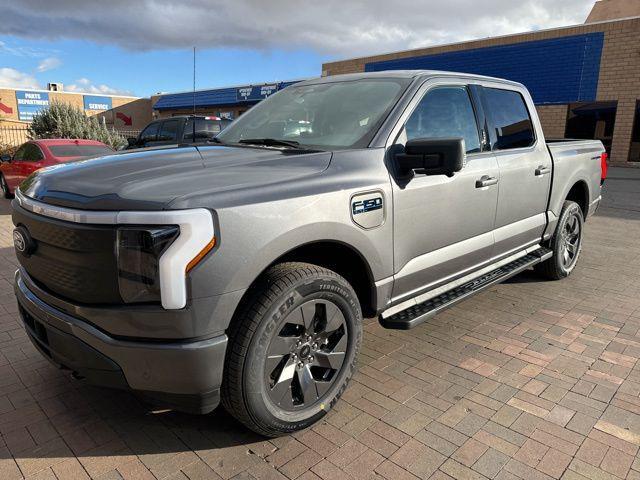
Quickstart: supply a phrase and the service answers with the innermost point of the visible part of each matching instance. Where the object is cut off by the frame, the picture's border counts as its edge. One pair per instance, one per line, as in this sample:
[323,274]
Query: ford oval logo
[23,242]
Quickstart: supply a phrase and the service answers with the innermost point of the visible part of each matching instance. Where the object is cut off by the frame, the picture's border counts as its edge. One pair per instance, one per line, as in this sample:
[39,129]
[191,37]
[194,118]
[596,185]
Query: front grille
[73,261]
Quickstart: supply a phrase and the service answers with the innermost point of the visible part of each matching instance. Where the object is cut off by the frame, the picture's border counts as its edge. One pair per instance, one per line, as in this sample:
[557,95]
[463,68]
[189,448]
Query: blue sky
[144,73]
[144,47]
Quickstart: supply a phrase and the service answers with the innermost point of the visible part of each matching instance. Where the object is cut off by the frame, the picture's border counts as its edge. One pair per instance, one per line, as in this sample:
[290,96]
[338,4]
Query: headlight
[139,251]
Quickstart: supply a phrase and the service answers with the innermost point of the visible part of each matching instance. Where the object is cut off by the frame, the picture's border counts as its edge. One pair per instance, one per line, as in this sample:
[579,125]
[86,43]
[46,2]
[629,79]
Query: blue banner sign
[255,93]
[94,102]
[30,103]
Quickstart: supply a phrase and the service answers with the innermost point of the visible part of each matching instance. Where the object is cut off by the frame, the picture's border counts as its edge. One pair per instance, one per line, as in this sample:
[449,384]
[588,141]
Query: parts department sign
[96,103]
[30,103]
[255,93]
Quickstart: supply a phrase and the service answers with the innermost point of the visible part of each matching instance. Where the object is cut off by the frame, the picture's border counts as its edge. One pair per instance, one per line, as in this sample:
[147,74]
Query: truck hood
[152,179]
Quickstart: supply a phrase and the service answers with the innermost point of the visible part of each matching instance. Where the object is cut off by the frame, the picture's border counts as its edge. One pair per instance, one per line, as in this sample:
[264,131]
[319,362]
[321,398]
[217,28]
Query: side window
[150,133]
[32,153]
[205,129]
[19,155]
[510,119]
[445,112]
[168,131]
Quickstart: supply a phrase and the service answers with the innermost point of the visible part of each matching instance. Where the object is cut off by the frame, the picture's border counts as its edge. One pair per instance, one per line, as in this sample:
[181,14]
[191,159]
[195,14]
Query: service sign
[96,103]
[255,93]
[30,103]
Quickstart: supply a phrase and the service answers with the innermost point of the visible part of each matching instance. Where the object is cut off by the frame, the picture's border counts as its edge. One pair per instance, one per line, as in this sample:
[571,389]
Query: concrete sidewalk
[531,379]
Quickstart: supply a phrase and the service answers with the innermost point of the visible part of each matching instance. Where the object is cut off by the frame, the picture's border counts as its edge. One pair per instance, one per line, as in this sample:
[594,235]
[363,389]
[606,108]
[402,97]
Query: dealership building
[228,102]
[585,79]
[18,106]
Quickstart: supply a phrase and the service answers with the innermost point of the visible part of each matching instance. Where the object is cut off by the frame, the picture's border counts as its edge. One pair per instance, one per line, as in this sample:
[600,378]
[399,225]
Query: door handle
[486,181]
[542,170]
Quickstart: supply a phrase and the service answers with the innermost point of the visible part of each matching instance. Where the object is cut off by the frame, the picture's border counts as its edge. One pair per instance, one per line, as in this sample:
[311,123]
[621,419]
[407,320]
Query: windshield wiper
[271,142]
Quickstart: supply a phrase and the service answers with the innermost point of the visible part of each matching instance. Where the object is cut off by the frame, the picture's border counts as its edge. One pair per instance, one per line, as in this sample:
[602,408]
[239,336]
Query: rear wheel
[566,243]
[6,193]
[292,349]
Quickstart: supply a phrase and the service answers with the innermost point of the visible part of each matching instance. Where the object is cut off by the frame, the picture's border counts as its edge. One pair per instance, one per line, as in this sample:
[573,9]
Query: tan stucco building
[17,107]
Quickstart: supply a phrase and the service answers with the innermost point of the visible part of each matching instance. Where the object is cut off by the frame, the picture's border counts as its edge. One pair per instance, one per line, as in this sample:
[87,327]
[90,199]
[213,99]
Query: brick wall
[553,119]
[618,78]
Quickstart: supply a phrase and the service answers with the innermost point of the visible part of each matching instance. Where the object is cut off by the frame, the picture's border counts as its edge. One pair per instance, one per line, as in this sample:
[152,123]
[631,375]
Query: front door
[443,227]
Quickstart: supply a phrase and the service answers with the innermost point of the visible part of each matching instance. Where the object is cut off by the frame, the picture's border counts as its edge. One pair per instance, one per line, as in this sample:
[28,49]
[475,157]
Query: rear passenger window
[510,118]
[445,112]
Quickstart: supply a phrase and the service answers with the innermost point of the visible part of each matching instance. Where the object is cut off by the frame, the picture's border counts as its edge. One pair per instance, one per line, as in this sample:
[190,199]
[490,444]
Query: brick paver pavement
[531,380]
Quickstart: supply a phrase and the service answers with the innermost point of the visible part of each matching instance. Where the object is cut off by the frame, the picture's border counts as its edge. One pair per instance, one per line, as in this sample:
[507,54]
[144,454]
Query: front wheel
[566,243]
[292,348]
[6,193]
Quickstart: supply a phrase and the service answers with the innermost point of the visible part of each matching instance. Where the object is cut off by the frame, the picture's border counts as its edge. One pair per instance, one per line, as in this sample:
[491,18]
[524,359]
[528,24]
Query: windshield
[73,150]
[326,115]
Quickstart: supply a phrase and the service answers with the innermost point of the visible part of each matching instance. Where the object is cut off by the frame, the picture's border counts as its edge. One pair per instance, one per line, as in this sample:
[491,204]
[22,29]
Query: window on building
[510,118]
[592,121]
[168,131]
[445,112]
[634,153]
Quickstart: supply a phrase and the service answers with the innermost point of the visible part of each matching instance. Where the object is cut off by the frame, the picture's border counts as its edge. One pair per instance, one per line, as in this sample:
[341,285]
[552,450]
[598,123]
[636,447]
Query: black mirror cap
[132,141]
[5,158]
[432,156]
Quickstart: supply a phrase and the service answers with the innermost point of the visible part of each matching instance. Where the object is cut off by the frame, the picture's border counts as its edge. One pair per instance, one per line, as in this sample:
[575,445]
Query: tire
[277,379]
[6,193]
[566,243]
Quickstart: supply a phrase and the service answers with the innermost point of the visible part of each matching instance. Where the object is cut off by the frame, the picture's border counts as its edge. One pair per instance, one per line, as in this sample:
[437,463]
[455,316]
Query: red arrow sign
[124,118]
[5,109]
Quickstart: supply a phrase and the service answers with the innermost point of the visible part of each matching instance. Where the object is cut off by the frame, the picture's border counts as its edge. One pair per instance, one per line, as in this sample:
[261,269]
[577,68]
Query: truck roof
[402,74]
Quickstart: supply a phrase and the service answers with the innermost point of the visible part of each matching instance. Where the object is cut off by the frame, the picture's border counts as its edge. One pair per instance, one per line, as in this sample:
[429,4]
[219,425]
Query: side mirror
[132,141]
[437,156]
[5,158]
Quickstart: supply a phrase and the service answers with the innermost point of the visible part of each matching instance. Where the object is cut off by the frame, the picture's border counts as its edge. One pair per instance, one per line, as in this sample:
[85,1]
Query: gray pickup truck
[240,271]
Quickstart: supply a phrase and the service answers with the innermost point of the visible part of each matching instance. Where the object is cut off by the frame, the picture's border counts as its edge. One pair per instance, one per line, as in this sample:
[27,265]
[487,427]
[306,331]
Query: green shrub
[61,120]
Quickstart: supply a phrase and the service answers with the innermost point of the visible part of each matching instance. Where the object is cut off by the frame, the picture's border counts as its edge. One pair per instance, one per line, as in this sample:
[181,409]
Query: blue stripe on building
[556,71]
[213,98]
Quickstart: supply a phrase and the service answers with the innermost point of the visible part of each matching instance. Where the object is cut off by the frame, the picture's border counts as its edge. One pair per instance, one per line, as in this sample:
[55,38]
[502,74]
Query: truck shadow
[61,419]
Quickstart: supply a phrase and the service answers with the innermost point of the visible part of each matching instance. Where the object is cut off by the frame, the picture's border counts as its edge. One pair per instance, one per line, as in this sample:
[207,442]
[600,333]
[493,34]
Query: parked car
[177,130]
[36,154]
[240,271]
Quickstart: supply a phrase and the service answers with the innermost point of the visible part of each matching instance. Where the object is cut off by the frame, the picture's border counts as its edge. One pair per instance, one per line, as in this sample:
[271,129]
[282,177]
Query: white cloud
[49,63]
[334,27]
[10,77]
[85,85]
[25,51]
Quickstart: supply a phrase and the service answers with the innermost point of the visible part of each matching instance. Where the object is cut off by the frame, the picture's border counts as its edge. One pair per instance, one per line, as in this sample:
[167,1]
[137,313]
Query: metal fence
[11,137]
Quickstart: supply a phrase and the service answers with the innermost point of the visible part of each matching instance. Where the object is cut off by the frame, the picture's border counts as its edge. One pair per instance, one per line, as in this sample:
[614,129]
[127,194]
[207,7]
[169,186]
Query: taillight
[603,167]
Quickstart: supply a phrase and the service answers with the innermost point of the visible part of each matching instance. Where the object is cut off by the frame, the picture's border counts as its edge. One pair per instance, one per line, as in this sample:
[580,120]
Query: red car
[37,154]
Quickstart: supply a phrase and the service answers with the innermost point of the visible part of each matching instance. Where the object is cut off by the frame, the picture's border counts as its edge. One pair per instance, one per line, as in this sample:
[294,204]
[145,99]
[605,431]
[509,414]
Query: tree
[61,120]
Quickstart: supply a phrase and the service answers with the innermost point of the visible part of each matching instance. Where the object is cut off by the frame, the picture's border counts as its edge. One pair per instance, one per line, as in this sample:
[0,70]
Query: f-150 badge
[367,209]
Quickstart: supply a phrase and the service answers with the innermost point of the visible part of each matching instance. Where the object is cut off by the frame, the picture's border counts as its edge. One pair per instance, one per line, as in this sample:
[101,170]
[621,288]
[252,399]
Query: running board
[419,313]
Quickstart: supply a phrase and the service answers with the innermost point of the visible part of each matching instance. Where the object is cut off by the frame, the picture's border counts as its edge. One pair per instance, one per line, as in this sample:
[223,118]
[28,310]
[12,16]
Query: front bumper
[184,375]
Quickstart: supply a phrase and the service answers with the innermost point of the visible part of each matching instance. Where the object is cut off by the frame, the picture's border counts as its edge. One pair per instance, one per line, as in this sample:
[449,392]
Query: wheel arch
[579,193]
[337,256]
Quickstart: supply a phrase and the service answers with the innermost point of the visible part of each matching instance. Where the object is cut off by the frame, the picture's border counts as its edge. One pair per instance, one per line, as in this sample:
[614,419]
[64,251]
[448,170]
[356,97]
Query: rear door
[525,167]
[443,227]
[11,170]
[29,160]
